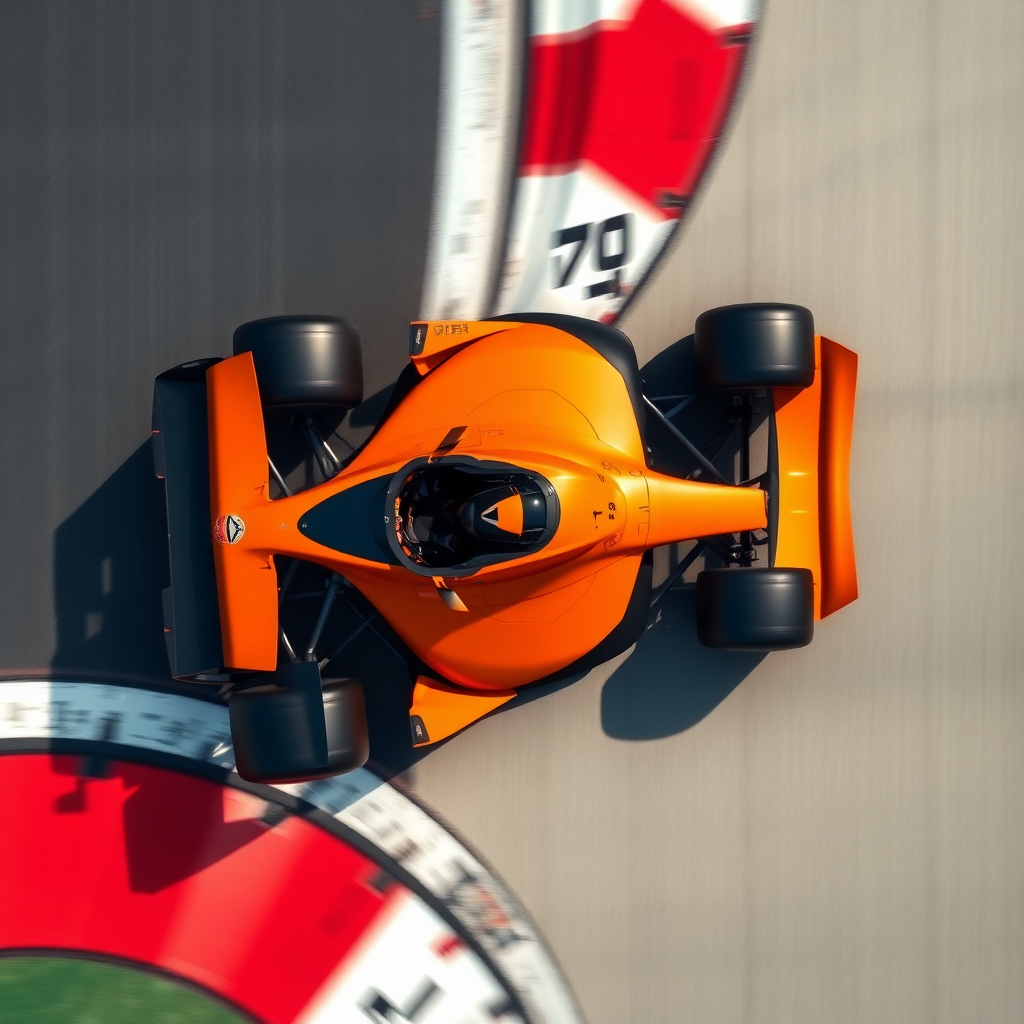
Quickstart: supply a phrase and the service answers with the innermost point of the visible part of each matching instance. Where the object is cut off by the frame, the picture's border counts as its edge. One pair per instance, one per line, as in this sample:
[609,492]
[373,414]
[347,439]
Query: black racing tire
[273,734]
[754,345]
[304,362]
[744,609]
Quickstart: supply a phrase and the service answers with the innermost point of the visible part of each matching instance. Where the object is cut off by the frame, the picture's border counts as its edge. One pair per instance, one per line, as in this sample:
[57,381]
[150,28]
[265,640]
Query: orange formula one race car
[502,515]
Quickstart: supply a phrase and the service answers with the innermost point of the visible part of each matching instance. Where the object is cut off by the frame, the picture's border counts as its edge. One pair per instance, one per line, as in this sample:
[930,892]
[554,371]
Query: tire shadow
[670,681]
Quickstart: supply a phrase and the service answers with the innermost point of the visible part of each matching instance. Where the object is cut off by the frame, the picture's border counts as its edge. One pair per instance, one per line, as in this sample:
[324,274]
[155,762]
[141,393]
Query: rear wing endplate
[181,459]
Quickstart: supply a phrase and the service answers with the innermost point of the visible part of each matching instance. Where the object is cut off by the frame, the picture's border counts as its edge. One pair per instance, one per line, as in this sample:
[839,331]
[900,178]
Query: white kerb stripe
[478,119]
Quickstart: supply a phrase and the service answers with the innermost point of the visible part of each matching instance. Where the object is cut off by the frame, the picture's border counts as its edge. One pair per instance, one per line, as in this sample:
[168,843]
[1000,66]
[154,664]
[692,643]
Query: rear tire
[755,345]
[274,732]
[755,609]
[304,362]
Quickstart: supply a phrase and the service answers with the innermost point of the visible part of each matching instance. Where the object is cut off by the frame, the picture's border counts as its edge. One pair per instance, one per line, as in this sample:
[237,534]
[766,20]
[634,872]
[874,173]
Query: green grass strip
[55,990]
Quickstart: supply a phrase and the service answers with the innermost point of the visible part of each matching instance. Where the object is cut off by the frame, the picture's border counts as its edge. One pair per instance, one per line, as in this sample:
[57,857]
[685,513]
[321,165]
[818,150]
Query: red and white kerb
[107,853]
[624,101]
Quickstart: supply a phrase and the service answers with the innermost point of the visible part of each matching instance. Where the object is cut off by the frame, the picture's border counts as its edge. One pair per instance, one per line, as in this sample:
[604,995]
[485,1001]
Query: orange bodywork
[442,710]
[533,397]
[814,431]
[528,395]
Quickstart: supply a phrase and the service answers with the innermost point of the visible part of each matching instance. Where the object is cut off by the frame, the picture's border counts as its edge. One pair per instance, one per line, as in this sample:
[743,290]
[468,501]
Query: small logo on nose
[229,529]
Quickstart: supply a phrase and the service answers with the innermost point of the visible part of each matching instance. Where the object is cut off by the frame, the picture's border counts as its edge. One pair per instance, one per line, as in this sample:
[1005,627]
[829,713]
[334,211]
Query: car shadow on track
[670,682]
[667,684]
[110,565]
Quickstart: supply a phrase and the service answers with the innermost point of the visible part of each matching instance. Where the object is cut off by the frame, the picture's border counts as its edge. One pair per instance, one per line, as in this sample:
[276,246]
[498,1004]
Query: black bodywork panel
[182,457]
[352,522]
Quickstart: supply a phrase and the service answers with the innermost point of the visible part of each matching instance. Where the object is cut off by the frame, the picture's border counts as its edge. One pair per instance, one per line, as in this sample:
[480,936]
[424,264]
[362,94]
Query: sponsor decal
[229,529]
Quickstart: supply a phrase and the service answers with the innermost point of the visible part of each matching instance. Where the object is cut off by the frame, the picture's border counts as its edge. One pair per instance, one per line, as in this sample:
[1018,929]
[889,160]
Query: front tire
[276,734]
[755,609]
[754,345]
[304,362]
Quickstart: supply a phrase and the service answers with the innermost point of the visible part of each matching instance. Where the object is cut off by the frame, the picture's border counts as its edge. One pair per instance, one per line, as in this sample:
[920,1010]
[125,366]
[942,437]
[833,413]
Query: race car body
[530,404]
[499,516]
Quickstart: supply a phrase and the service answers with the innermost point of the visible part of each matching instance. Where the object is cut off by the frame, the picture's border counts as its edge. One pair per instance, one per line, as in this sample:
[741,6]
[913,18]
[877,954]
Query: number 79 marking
[614,230]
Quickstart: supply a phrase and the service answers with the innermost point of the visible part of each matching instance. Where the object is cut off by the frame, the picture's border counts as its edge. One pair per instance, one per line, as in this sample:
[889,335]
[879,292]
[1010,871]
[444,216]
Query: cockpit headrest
[495,514]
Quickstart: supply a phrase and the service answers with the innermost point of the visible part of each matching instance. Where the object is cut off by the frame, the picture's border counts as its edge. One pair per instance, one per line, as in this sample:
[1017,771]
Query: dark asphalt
[168,171]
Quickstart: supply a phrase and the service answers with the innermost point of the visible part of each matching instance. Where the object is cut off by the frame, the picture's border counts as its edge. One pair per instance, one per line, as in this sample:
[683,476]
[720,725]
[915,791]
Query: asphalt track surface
[832,834]
[167,172]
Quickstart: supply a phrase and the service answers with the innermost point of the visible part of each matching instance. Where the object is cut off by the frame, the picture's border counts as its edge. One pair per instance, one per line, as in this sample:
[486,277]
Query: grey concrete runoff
[833,834]
[836,834]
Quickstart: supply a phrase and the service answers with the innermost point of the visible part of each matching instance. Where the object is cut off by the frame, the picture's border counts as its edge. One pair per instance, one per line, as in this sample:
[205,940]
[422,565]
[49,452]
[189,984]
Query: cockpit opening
[471,514]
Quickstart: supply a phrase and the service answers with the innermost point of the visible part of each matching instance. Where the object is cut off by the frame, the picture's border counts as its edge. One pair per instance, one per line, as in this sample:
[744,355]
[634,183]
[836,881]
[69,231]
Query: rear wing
[209,448]
[181,460]
[813,437]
